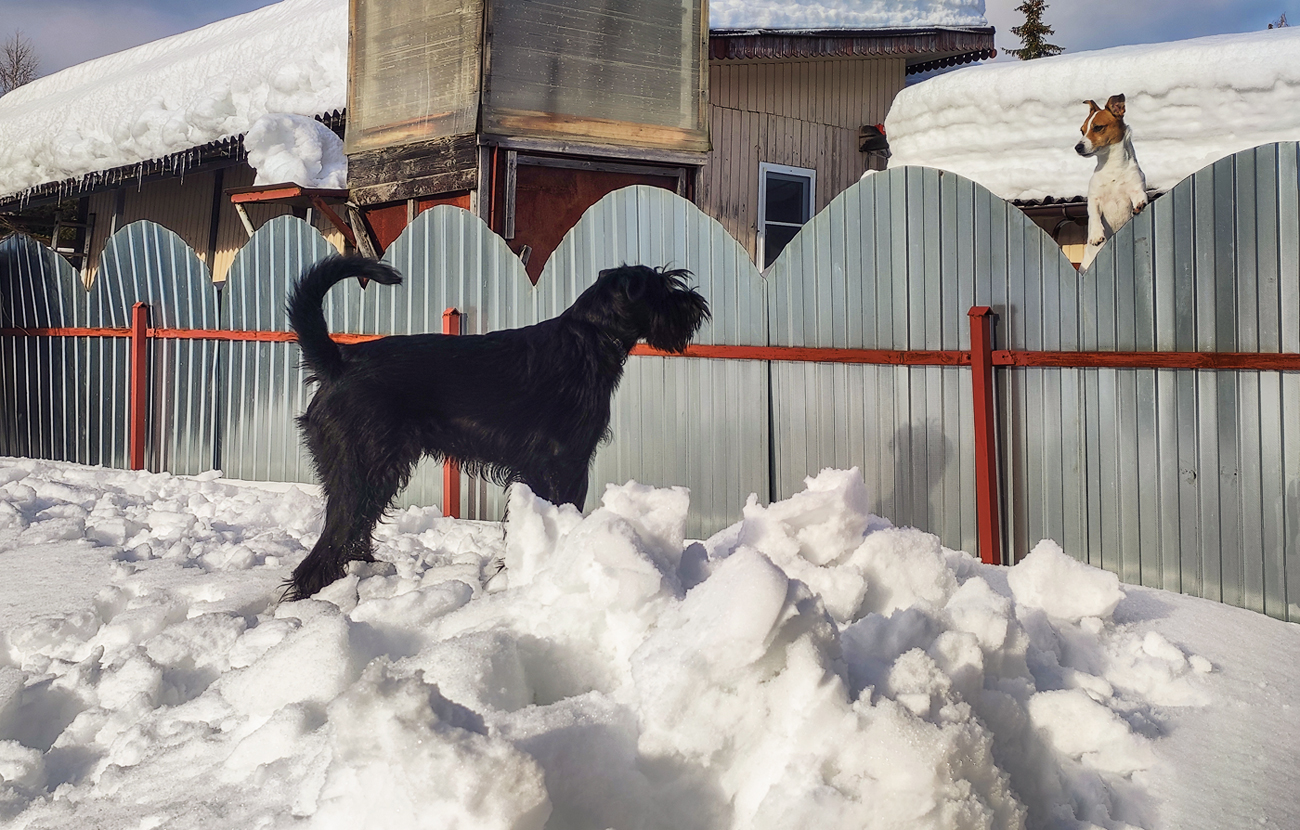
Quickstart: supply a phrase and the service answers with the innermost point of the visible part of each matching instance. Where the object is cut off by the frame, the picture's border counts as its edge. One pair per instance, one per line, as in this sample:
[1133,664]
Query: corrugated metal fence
[1187,479]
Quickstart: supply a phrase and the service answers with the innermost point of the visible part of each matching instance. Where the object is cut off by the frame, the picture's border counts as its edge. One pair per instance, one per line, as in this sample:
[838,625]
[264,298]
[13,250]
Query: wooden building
[527,114]
[792,116]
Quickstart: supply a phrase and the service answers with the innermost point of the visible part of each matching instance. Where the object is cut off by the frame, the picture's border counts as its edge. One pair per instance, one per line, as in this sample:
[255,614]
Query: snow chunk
[1062,586]
[294,148]
[404,756]
[1081,728]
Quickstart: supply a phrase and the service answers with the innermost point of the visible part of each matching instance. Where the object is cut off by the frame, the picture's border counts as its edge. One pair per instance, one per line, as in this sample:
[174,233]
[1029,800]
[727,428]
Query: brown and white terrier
[1117,189]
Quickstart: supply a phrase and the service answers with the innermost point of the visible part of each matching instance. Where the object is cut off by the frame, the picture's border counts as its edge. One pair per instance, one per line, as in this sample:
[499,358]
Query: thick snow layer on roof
[844,14]
[1012,127]
[176,93]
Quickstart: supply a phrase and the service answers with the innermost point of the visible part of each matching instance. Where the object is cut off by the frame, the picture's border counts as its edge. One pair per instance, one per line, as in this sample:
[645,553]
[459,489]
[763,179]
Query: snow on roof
[190,89]
[1012,126]
[844,14]
[175,93]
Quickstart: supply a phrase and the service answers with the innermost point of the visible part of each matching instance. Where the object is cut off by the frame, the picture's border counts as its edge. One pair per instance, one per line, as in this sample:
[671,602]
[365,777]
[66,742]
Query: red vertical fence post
[450,469]
[137,411]
[987,503]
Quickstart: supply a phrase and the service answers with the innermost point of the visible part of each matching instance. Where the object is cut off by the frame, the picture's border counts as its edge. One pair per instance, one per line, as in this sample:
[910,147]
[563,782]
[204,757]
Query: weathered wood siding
[184,206]
[797,113]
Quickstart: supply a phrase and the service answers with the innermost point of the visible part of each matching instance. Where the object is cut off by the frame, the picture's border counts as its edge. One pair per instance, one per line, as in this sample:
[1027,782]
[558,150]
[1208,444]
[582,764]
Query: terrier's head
[1103,127]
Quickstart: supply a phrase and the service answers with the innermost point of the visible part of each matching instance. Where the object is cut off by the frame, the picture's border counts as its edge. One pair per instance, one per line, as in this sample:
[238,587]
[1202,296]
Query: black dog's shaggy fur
[528,404]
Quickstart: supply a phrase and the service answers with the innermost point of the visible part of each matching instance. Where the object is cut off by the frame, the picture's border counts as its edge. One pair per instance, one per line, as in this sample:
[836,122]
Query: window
[785,201]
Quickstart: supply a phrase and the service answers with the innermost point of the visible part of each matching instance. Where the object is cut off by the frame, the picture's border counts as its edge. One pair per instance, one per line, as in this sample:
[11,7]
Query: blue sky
[65,32]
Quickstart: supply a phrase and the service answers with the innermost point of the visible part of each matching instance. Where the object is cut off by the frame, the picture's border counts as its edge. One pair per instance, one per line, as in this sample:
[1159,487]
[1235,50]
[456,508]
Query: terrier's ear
[1092,106]
[1115,105]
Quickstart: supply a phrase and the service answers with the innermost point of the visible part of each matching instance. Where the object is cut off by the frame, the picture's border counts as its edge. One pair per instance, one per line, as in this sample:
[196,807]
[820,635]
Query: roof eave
[915,45]
[214,154]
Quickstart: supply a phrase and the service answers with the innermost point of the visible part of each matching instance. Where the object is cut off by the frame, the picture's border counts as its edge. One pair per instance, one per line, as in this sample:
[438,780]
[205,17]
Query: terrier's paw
[1097,241]
[1137,206]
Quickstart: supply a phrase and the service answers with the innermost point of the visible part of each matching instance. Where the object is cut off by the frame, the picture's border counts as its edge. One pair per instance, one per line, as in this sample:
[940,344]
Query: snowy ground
[812,666]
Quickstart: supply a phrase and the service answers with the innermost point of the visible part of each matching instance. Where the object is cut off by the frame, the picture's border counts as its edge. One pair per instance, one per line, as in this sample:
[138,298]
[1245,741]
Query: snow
[176,93]
[845,14]
[1012,126]
[812,665]
[295,148]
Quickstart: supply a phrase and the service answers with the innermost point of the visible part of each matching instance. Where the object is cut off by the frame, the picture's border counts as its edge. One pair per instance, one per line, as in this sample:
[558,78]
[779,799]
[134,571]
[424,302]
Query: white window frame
[763,169]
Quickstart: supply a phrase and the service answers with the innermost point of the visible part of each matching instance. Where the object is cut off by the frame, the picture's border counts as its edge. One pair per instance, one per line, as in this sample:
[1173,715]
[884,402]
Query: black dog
[528,404]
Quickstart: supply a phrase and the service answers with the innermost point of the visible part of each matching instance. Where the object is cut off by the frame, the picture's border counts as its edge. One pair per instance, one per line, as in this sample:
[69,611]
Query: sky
[66,32]
[1098,24]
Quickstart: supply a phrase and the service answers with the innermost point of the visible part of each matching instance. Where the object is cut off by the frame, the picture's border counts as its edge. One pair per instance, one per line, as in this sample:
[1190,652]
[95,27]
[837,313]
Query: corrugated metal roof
[918,44]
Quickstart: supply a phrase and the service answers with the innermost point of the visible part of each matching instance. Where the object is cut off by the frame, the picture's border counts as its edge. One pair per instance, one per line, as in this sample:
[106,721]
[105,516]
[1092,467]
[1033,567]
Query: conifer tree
[1033,33]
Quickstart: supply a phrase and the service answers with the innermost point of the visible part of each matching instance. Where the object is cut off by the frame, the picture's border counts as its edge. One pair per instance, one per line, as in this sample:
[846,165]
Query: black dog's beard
[528,405]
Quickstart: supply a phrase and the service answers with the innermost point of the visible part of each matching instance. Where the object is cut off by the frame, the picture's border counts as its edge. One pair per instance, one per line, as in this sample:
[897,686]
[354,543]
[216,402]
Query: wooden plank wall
[797,113]
[185,205]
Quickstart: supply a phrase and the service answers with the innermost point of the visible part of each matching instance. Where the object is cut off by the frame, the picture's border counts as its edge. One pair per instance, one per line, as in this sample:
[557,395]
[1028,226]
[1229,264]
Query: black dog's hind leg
[359,486]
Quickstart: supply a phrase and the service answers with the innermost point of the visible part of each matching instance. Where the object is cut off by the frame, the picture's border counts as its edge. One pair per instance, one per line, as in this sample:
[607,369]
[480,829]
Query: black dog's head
[635,302]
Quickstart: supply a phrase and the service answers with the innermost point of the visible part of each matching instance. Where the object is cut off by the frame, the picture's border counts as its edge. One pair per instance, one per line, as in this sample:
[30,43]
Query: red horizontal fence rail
[982,359]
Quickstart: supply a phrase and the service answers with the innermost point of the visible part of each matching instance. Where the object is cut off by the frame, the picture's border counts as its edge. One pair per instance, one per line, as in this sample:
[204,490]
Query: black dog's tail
[307,319]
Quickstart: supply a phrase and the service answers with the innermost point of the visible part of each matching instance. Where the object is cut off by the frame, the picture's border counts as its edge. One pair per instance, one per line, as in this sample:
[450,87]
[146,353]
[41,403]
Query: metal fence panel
[263,384]
[1191,476]
[697,423]
[145,262]
[895,262]
[43,391]
[1182,479]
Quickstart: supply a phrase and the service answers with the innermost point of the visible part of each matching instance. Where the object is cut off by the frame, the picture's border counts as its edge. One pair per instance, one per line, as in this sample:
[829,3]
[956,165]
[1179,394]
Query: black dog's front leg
[563,481]
[360,482]
[340,541]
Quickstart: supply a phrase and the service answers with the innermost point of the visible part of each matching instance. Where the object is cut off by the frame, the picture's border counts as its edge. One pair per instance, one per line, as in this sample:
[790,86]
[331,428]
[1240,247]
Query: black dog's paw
[289,592]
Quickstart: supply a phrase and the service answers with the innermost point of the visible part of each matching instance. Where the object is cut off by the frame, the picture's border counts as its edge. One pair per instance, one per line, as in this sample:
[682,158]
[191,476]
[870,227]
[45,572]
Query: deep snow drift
[811,666]
[1012,126]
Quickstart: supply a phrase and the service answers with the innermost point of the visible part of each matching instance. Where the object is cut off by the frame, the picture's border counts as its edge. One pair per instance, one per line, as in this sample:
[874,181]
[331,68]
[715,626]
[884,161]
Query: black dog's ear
[634,285]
